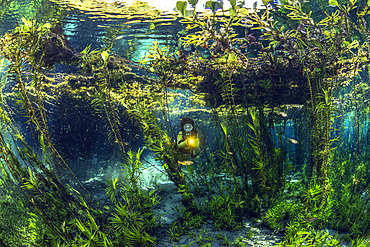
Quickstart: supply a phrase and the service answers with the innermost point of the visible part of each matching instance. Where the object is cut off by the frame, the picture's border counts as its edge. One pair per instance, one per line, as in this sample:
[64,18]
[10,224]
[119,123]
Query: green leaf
[333,3]
[211,5]
[181,6]
[245,12]
[86,50]
[232,12]
[93,224]
[266,2]
[46,25]
[105,56]
[193,2]
[224,128]
[233,3]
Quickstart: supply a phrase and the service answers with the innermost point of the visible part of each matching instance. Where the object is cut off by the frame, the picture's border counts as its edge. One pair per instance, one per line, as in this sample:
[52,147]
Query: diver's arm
[180,142]
[196,142]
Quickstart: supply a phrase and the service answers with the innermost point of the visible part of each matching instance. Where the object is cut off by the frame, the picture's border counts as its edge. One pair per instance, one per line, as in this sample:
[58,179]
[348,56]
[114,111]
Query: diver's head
[187,124]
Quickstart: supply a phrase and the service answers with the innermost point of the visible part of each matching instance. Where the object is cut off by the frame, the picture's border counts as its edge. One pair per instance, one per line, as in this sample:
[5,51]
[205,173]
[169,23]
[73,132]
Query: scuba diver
[188,139]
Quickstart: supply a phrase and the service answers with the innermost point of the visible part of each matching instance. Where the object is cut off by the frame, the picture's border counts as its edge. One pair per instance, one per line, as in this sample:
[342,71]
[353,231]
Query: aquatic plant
[223,213]
[236,64]
[160,142]
[34,174]
[133,216]
[321,52]
[14,215]
[61,214]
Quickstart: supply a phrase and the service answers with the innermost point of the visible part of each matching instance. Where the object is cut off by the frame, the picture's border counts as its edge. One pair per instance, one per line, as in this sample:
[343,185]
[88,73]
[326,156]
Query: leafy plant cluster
[133,215]
[323,57]
[322,51]
[60,213]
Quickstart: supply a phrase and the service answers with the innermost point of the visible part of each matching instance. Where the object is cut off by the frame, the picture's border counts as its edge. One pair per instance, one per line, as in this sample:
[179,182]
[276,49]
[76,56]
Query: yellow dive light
[191,141]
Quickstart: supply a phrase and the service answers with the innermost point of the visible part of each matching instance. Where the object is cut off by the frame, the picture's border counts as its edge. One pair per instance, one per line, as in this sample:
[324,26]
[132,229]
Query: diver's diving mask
[188,127]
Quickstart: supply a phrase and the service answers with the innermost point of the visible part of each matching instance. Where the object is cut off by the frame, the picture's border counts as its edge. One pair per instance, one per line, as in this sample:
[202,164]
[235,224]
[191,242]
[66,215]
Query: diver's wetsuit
[184,145]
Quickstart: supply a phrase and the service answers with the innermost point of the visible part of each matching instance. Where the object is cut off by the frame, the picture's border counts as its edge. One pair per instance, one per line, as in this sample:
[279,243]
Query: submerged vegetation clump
[281,92]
